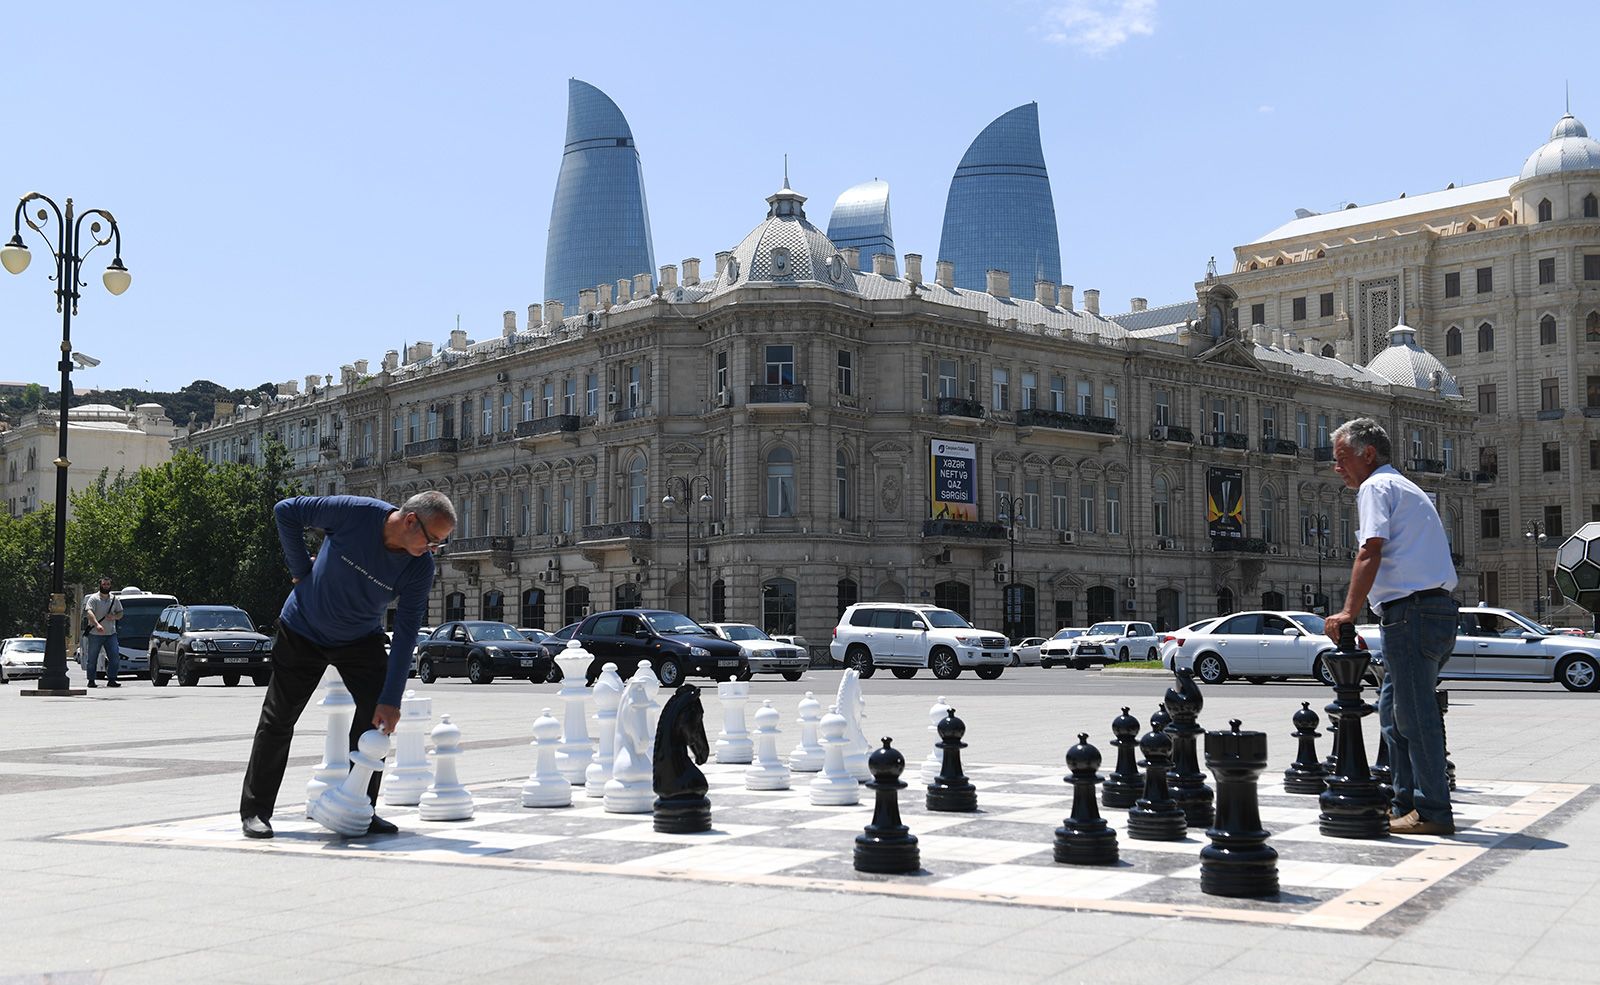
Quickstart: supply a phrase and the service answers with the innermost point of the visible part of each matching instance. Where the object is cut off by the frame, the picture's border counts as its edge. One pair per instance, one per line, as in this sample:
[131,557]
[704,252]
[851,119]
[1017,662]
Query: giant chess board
[1000,854]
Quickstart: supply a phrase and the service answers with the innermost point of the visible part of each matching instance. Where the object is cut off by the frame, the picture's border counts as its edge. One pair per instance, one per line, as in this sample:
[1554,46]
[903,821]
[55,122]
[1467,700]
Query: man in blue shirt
[374,554]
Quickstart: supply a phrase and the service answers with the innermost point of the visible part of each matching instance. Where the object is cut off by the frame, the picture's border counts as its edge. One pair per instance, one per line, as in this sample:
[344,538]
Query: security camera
[84,361]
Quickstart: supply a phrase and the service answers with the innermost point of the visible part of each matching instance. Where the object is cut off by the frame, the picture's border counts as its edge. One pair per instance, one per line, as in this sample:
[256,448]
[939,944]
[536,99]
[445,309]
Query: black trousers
[297,668]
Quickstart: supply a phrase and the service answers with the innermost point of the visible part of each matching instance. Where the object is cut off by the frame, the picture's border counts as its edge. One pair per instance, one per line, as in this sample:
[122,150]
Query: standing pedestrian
[1404,569]
[101,610]
[374,554]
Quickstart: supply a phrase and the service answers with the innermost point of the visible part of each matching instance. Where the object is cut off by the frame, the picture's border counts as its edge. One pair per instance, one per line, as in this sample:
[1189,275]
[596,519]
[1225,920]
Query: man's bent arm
[1363,572]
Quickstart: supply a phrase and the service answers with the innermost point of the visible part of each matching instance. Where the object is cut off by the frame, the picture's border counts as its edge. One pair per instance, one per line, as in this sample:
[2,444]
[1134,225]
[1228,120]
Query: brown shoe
[1413,824]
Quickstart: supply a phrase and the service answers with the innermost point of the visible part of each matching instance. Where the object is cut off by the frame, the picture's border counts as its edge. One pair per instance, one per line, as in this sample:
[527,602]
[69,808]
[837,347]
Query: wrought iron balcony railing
[1038,417]
[958,407]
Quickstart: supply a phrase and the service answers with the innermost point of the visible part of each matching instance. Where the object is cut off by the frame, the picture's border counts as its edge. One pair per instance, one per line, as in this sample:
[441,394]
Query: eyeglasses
[433,543]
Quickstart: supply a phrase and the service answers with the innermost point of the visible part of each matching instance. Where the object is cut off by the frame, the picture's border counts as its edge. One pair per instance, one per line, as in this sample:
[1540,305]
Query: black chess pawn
[1155,817]
[1237,862]
[1443,698]
[1382,772]
[1307,774]
[1123,784]
[1353,806]
[1159,720]
[1185,781]
[1330,763]
[887,845]
[951,790]
[1085,838]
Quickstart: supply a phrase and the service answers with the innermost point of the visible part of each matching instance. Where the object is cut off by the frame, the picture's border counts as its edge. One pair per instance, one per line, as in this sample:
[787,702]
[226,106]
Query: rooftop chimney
[641,285]
[534,315]
[1343,349]
[391,360]
[723,256]
[1064,297]
[624,290]
[360,366]
[852,257]
[1138,304]
[554,311]
[1044,292]
[347,373]
[997,283]
[603,296]
[1091,301]
[312,379]
[586,300]
[691,271]
[1291,342]
[289,388]
[508,324]
[914,268]
[883,264]
[669,278]
[944,274]
[458,339]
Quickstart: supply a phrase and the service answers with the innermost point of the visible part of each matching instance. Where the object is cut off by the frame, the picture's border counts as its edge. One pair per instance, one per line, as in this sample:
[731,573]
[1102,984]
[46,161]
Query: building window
[1302,429]
[1085,397]
[635,386]
[1030,391]
[955,596]
[1489,460]
[719,375]
[1108,401]
[1269,421]
[569,396]
[575,604]
[494,606]
[1485,280]
[1001,392]
[949,378]
[719,601]
[1299,309]
[1547,270]
[1060,505]
[522,512]
[1058,394]
[1594,456]
[1449,449]
[1452,341]
[527,403]
[1489,523]
[1547,330]
[637,496]
[1452,285]
[1546,210]
[532,614]
[1160,508]
[1325,305]
[1552,456]
[925,392]
[778,606]
[841,482]
[1030,503]
[780,365]
[1486,337]
[848,593]
[780,482]
[506,404]
[1550,393]
[1591,266]
[972,380]
[847,382]
[1552,522]
[1113,508]
[1591,206]
[591,394]
[455,607]
[1163,409]
[1086,507]
[1258,314]
[1591,391]
[547,400]
[1488,399]
[591,503]
[486,406]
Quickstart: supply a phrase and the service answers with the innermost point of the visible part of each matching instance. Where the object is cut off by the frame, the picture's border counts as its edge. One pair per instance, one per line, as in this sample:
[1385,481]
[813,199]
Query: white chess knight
[652,687]
[607,695]
[546,786]
[807,756]
[853,706]
[577,748]
[341,711]
[733,743]
[935,760]
[345,809]
[834,786]
[408,779]
[447,799]
[768,771]
[631,789]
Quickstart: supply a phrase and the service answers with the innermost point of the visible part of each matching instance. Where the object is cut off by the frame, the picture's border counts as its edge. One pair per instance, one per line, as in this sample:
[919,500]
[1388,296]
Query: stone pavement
[80,912]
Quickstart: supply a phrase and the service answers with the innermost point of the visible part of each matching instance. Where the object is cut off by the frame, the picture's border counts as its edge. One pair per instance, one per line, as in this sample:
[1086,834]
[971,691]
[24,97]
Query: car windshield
[482,632]
[945,619]
[1106,629]
[1517,624]
[673,624]
[533,635]
[565,632]
[139,616]
[1067,634]
[1310,623]
[740,631]
[219,621]
[25,646]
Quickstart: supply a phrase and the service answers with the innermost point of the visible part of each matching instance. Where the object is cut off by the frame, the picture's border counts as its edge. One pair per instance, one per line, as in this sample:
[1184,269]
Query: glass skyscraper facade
[599,223]
[1000,214]
[861,219]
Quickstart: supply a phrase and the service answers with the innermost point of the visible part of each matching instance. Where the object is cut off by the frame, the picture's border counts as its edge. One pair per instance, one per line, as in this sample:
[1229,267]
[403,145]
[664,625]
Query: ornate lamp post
[1536,534]
[1320,523]
[66,249]
[686,486]
[1011,508]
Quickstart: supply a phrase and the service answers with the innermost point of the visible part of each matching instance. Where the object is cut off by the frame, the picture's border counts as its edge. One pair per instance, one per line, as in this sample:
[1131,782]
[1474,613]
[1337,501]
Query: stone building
[100,438]
[795,402]
[1502,279]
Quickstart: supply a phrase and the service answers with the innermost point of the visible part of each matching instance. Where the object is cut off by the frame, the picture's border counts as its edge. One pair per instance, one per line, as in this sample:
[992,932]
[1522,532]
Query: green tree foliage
[25,547]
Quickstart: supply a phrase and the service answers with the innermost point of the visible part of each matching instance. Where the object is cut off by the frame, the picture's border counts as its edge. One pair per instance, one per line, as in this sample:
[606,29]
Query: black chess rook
[1085,838]
[1123,785]
[1184,779]
[951,790]
[887,845]
[1306,774]
[1155,817]
[1353,806]
[1237,861]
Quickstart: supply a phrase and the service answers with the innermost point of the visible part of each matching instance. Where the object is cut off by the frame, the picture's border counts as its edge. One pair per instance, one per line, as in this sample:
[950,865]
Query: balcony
[1322,453]
[778,399]
[622,415]
[1172,433]
[328,447]
[1243,545]
[964,529]
[434,451]
[476,547]
[548,430]
[360,462]
[246,458]
[627,530]
[1280,446]
[1226,440]
[1485,477]
[959,407]
[1426,466]
[1076,430]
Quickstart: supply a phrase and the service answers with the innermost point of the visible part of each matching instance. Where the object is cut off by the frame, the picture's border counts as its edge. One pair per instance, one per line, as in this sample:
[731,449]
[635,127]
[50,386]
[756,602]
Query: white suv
[909,638]
[1119,641]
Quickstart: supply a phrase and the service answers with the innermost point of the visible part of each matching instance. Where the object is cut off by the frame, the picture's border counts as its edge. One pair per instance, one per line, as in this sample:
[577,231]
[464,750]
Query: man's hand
[1332,623]
[386,718]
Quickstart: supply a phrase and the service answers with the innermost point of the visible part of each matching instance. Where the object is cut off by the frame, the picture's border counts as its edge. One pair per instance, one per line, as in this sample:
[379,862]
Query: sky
[303,184]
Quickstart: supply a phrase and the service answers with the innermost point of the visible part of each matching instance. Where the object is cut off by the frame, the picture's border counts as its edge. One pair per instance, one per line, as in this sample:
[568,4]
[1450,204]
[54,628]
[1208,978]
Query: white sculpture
[447,799]
[733,743]
[345,809]
[335,765]
[631,788]
[935,760]
[853,706]
[406,782]
[546,786]
[577,749]
[768,771]
[807,756]
[834,786]
[607,694]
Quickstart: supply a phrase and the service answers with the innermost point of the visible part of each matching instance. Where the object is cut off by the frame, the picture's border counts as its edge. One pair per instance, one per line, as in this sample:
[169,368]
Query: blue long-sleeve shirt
[343,597]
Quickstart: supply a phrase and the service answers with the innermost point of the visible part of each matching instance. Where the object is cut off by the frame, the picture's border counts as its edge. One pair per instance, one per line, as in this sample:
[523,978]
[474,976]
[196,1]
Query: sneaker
[381,827]
[91,684]
[1414,824]
[113,684]
[256,827]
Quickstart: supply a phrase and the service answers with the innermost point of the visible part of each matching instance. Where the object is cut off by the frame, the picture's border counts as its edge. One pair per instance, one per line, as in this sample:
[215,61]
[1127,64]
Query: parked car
[1122,640]
[423,632]
[1057,650]
[1259,646]
[195,641]
[1027,652]
[1504,645]
[555,642]
[21,658]
[1171,641]
[675,645]
[140,610]
[906,638]
[532,635]
[480,651]
[764,654]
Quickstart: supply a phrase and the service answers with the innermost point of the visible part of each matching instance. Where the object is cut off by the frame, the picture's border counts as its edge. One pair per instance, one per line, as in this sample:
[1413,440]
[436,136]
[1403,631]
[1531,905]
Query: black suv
[195,641]
[675,645]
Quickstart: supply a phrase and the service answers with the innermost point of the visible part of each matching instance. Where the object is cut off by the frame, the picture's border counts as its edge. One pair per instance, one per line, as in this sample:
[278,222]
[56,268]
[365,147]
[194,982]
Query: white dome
[1407,364]
[1570,148]
[786,250]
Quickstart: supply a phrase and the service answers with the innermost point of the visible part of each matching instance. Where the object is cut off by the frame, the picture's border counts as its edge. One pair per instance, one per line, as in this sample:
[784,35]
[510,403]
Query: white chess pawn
[935,760]
[733,743]
[447,799]
[546,787]
[834,786]
[630,789]
[807,756]
[576,749]
[853,706]
[341,711]
[607,693]
[768,771]
[652,687]
[345,809]
[406,782]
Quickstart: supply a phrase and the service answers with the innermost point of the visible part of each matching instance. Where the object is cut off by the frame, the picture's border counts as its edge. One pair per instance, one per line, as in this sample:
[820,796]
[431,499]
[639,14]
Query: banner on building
[1225,503]
[953,480]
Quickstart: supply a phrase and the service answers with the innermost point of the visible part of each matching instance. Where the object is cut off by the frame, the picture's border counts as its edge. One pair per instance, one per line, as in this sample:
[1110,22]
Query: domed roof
[1407,364]
[1570,148]
[786,250]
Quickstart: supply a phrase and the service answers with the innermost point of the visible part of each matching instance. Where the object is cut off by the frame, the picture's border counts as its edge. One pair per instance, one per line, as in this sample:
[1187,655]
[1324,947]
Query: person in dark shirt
[374,554]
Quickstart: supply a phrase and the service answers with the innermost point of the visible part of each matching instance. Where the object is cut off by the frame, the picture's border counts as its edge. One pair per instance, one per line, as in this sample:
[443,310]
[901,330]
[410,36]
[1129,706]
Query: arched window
[1021,612]
[1546,210]
[1452,341]
[532,614]
[1272,600]
[841,482]
[849,594]
[494,606]
[955,596]
[455,607]
[1224,600]
[574,604]
[780,482]
[1161,507]
[637,481]
[1472,227]
[1547,330]
[1102,603]
[1591,327]
[628,596]
[779,603]
[719,601]
[1591,206]
[1169,609]
[1486,337]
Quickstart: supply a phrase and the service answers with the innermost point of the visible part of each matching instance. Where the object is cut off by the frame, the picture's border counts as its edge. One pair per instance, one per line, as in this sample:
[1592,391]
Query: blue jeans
[1418,635]
[92,645]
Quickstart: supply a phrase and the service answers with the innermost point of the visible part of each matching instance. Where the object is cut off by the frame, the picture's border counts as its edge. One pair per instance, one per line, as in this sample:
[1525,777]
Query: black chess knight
[681,805]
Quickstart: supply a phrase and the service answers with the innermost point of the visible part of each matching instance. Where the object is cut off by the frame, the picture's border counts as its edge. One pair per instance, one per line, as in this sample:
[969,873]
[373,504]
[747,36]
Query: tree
[26,543]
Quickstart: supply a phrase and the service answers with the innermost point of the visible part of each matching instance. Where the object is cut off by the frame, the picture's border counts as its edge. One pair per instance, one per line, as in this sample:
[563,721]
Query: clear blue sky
[305,184]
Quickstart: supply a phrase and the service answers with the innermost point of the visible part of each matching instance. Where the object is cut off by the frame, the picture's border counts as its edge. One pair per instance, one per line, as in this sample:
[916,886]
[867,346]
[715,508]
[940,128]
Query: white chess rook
[834,786]
[341,711]
[546,787]
[345,809]
[607,693]
[768,771]
[935,760]
[853,706]
[630,789]
[807,756]
[408,779]
[577,748]
[447,799]
[733,742]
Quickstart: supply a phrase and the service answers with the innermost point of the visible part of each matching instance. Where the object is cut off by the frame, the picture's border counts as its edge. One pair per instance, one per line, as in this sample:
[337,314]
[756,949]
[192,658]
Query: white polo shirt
[1416,555]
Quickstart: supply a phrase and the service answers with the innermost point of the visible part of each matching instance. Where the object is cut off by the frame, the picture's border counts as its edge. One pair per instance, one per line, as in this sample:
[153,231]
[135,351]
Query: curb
[1136,671]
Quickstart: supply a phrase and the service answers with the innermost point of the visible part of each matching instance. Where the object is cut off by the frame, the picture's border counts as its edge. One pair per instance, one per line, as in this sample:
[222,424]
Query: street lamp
[1321,531]
[64,250]
[1011,509]
[686,485]
[1536,534]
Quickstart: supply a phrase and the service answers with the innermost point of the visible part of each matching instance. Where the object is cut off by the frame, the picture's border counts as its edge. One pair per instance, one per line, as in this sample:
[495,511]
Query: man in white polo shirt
[1404,569]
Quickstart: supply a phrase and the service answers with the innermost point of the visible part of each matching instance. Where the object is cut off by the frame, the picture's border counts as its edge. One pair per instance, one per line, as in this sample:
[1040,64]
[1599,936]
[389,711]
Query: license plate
[527,663]
[235,660]
[727,663]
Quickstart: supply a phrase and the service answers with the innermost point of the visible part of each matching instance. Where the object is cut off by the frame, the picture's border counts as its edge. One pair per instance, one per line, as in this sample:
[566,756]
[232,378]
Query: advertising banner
[1225,503]
[953,480]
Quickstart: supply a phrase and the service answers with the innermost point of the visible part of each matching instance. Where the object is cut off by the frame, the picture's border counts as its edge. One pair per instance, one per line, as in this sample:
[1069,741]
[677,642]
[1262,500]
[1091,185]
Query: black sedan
[675,645]
[480,651]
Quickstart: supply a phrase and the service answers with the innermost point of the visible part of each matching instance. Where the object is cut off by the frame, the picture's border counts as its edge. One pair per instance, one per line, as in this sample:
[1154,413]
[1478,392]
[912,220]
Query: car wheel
[1080,665]
[671,673]
[478,672]
[230,680]
[553,675]
[261,679]
[859,659]
[1152,655]
[186,673]
[1045,664]
[1321,671]
[904,673]
[159,679]
[792,675]
[744,675]
[989,673]
[1122,654]
[1210,669]
[943,664]
[425,671]
[1578,673]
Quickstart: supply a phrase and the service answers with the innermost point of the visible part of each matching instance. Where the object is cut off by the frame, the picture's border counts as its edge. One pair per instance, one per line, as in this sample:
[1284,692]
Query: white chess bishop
[546,786]
[345,809]
[807,756]
[768,771]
